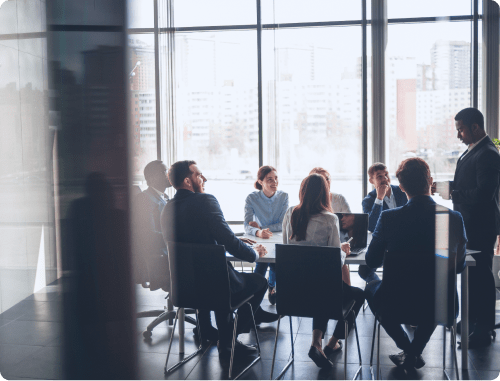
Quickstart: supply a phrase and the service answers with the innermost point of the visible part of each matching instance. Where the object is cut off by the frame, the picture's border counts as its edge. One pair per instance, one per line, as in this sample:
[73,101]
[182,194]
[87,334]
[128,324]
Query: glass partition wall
[267,82]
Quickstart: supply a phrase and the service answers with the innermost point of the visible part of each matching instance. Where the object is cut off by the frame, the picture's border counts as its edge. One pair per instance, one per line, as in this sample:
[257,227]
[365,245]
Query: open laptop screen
[353,225]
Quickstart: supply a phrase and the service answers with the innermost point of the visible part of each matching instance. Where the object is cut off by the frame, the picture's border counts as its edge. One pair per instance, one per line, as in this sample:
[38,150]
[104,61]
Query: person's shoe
[271,295]
[398,359]
[262,316]
[328,351]
[208,334]
[409,362]
[477,340]
[318,358]
[240,349]
[419,363]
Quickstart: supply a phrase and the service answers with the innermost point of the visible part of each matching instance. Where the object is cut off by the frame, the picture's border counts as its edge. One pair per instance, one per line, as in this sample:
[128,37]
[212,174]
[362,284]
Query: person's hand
[264,233]
[254,224]
[248,241]
[261,250]
[346,248]
[382,190]
[433,188]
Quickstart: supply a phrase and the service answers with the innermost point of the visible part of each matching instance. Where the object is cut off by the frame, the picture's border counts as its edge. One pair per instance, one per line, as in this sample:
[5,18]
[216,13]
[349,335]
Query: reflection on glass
[142,111]
[216,112]
[427,83]
[312,106]
[293,11]
[214,12]
[427,8]
[140,13]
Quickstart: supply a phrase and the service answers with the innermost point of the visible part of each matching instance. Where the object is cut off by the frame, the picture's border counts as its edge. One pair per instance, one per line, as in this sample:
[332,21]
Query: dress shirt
[390,201]
[161,194]
[322,230]
[339,203]
[472,146]
[268,212]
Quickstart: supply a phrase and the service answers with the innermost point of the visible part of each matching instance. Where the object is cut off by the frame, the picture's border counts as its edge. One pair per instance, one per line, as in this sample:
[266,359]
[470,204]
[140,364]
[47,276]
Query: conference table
[270,257]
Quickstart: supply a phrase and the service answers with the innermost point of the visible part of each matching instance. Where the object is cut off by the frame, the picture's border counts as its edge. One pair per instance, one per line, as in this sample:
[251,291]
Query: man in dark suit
[385,196]
[152,263]
[193,216]
[411,227]
[474,191]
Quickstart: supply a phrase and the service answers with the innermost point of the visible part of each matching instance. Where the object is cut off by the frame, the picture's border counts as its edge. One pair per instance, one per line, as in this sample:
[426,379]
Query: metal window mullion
[379,38]
[259,83]
[364,106]
[490,78]
[157,83]
[475,55]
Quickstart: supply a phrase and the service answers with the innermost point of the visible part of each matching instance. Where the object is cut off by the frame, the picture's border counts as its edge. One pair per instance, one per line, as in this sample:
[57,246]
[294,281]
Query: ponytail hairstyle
[261,175]
[314,196]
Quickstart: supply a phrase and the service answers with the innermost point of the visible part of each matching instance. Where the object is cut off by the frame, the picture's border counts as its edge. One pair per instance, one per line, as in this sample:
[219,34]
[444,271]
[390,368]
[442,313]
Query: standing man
[193,216]
[474,191]
[385,196]
[410,227]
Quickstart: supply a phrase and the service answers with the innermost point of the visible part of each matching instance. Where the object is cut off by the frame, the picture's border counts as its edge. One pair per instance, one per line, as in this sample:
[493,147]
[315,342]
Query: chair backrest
[198,276]
[418,286]
[310,281]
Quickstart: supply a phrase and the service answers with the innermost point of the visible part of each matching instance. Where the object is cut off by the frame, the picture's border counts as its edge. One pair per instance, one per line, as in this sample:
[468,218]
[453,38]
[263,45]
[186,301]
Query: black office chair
[199,280]
[300,272]
[426,293]
[152,273]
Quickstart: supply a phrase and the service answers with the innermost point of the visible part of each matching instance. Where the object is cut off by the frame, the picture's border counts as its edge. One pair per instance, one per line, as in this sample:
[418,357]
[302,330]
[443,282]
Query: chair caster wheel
[147,334]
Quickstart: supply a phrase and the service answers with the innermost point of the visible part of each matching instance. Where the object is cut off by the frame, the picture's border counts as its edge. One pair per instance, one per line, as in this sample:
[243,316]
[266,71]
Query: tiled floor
[30,347]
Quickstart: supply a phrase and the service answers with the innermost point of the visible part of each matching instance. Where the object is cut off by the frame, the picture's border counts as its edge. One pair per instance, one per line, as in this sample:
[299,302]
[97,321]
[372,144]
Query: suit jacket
[374,210]
[197,218]
[475,190]
[151,261]
[412,228]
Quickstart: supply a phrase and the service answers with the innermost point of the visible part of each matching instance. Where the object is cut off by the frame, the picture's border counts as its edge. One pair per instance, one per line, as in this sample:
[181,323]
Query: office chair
[200,281]
[301,271]
[152,273]
[426,293]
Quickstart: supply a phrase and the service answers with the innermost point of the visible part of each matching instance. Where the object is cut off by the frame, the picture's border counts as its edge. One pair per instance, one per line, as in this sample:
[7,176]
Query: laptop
[355,226]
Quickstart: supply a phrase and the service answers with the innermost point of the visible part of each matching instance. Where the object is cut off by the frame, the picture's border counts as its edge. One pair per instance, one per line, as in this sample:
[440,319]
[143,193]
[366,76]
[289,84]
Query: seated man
[411,227]
[148,206]
[193,216]
[385,196]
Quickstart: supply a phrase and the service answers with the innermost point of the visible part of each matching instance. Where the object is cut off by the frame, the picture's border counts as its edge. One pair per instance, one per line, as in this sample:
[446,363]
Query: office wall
[28,259]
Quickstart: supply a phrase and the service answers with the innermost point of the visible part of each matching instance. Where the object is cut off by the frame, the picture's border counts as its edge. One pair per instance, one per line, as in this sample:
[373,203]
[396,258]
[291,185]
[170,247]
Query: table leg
[181,331]
[465,318]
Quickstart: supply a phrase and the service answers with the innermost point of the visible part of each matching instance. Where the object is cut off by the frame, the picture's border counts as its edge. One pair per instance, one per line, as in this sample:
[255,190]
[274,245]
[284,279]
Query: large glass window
[142,98]
[216,112]
[312,106]
[428,71]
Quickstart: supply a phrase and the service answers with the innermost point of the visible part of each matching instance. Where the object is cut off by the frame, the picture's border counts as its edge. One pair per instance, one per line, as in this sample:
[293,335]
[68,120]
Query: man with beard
[193,216]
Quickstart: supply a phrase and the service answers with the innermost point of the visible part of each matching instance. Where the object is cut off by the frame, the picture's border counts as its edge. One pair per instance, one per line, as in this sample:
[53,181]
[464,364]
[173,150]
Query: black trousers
[348,293]
[482,291]
[421,336]
[254,284]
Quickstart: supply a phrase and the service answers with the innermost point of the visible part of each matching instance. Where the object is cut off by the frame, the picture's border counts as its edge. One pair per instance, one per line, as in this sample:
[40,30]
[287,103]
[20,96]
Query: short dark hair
[376,167]
[179,171]
[151,170]
[415,176]
[261,175]
[470,116]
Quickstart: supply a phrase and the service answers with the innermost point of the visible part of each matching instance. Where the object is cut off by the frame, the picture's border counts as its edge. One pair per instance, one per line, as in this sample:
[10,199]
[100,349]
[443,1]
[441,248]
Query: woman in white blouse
[313,223]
